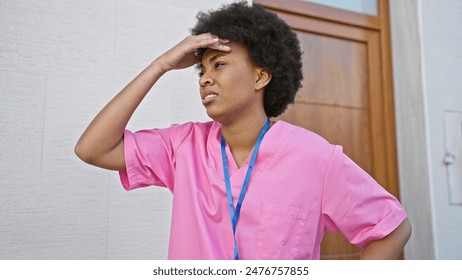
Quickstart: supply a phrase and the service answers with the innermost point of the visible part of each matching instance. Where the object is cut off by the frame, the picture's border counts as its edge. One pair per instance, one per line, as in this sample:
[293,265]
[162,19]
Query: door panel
[342,63]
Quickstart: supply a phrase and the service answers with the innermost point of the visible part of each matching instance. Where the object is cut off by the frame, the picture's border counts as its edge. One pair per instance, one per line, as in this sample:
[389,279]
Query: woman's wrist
[157,68]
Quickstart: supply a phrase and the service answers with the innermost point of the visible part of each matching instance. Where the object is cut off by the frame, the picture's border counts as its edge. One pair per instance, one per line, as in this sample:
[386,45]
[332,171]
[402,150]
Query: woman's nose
[205,80]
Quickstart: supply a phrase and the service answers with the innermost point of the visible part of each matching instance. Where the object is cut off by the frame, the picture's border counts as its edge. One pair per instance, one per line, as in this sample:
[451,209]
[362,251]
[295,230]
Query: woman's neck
[241,136]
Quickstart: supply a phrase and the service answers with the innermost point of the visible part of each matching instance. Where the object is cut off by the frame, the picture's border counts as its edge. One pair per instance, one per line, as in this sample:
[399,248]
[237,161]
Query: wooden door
[347,91]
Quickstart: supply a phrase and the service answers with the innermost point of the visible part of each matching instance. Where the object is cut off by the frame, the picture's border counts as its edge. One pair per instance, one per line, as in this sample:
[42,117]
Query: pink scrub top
[300,187]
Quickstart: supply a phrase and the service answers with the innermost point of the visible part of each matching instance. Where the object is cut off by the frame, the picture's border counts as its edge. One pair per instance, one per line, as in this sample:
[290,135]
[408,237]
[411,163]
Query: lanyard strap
[235,213]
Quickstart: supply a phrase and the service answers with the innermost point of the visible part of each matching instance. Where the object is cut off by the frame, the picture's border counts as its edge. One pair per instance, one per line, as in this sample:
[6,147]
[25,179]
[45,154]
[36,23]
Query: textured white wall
[411,127]
[442,41]
[427,59]
[60,62]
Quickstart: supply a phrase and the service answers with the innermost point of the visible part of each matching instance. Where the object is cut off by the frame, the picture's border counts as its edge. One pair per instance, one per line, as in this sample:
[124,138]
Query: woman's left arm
[390,246]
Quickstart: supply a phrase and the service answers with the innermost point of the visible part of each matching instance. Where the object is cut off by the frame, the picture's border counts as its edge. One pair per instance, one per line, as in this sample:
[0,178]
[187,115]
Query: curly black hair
[270,42]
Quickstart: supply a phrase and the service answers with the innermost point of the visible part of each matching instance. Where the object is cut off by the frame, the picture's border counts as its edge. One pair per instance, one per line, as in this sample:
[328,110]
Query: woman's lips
[209,97]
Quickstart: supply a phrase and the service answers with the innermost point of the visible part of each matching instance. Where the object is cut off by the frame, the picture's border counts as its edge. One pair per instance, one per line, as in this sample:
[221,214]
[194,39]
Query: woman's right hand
[183,54]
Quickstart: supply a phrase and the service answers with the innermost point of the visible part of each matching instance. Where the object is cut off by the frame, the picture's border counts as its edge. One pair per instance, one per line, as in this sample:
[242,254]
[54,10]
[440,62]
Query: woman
[243,186]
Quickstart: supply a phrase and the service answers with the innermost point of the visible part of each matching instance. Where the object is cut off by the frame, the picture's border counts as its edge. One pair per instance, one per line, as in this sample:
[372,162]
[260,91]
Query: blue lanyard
[235,213]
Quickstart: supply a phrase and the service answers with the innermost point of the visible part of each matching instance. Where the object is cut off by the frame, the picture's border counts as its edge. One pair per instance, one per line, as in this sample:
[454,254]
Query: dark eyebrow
[213,58]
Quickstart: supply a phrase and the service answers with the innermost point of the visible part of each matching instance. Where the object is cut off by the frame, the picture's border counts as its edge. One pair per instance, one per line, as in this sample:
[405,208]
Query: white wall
[411,130]
[442,42]
[427,59]
[60,62]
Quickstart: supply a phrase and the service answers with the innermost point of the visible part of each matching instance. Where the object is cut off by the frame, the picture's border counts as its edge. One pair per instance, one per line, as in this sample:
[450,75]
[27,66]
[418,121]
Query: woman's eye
[200,74]
[219,64]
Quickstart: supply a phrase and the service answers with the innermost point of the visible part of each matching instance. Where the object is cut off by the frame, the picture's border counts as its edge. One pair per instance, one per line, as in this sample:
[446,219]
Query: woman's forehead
[238,51]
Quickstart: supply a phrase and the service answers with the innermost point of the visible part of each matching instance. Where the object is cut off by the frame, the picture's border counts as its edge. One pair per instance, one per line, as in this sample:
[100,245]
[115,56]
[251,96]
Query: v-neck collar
[266,152]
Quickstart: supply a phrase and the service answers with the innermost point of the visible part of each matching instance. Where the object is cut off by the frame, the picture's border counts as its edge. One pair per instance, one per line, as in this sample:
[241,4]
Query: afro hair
[271,45]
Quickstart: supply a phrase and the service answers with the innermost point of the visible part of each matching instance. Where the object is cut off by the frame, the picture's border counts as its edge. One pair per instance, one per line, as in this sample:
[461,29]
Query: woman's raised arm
[101,144]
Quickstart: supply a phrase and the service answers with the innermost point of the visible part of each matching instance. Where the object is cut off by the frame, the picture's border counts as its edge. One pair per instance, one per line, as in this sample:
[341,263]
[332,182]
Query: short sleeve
[355,204]
[150,156]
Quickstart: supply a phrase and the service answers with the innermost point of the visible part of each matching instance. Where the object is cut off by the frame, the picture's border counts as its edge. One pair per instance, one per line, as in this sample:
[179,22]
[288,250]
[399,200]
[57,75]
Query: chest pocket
[280,231]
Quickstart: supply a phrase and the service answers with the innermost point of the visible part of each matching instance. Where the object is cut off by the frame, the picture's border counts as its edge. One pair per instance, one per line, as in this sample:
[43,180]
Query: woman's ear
[263,78]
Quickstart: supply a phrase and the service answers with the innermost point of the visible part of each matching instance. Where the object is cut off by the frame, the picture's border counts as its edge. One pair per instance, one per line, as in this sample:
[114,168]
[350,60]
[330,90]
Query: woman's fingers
[208,40]
[184,54]
[224,41]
